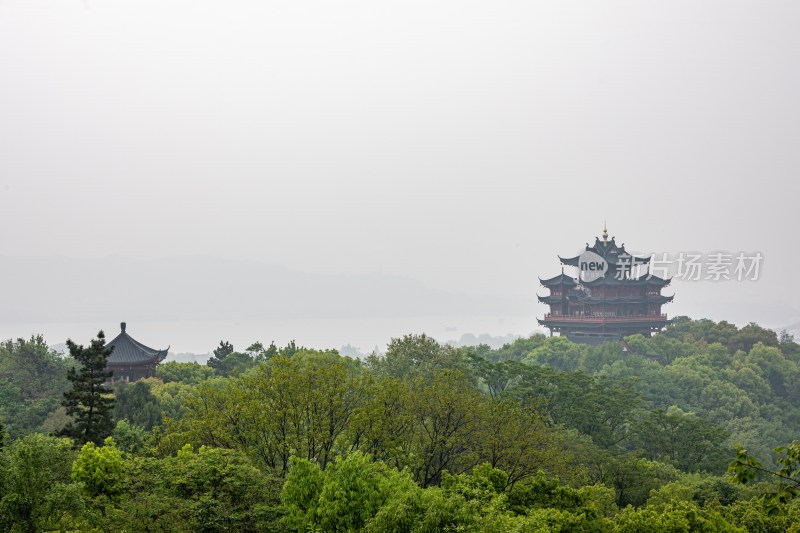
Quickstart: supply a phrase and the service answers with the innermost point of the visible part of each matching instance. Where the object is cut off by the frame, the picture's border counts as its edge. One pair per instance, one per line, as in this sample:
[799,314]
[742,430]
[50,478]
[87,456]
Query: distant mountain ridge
[50,289]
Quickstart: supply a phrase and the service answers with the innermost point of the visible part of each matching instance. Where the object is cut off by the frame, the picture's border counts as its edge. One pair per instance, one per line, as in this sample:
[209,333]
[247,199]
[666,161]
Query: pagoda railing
[592,318]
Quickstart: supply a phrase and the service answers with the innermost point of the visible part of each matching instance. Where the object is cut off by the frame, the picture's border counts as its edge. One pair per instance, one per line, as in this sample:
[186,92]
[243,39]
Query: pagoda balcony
[604,319]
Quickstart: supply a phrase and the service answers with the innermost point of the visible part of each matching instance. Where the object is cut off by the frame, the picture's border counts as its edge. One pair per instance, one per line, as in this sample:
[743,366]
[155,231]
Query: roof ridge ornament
[605,233]
[122,326]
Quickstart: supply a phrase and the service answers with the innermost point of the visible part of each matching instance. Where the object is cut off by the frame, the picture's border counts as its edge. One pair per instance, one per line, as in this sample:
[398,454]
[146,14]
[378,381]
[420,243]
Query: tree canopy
[538,435]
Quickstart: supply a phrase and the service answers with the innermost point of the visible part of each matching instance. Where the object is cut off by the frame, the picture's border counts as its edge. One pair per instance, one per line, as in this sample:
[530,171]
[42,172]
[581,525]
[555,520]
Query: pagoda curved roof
[609,251]
[561,279]
[612,280]
[550,299]
[128,350]
[660,299]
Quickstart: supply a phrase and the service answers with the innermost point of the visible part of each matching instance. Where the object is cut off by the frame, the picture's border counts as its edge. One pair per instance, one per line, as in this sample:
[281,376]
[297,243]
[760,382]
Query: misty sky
[462,144]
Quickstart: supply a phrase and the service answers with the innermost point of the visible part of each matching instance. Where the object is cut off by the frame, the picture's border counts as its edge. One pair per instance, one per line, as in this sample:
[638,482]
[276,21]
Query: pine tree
[89,403]
[216,361]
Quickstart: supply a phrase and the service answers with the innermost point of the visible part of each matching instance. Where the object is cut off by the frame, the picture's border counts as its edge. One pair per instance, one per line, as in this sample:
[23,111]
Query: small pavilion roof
[127,350]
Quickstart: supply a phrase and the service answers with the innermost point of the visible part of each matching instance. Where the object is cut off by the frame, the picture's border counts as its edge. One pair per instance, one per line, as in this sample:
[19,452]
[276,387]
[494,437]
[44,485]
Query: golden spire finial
[605,234]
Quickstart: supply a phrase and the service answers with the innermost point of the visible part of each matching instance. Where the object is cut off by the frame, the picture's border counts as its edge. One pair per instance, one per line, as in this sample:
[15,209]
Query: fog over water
[346,172]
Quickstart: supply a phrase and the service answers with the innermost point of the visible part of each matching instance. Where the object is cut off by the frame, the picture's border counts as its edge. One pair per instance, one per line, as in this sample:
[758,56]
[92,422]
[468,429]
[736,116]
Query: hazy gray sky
[463,144]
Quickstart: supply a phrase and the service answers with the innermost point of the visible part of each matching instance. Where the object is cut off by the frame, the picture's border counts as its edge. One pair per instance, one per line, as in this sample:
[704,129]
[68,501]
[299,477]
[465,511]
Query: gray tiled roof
[129,350]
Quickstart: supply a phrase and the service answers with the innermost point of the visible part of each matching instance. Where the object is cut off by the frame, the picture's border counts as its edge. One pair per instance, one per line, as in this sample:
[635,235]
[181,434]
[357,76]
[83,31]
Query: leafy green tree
[136,403]
[745,468]
[688,442]
[447,412]
[497,377]
[594,405]
[749,378]
[128,437]
[542,493]
[89,403]
[514,351]
[749,336]
[205,490]
[431,424]
[702,489]
[345,496]
[36,493]
[721,401]
[679,327]
[432,509]
[99,469]
[32,381]
[673,517]
[289,350]
[776,370]
[702,331]
[484,483]
[355,494]
[188,373]
[751,515]
[303,404]
[172,397]
[234,364]
[632,477]
[382,428]
[300,495]
[484,351]
[228,493]
[597,358]
[520,348]
[516,440]
[415,355]
[558,353]
[537,505]
[258,353]
[788,346]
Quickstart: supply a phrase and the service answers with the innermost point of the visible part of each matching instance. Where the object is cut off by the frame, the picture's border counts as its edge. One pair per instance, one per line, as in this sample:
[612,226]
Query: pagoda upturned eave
[657,299]
[550,317]
[613,280]
[608,250]
[561,279]
[628,325]
[570,322]
[612,259]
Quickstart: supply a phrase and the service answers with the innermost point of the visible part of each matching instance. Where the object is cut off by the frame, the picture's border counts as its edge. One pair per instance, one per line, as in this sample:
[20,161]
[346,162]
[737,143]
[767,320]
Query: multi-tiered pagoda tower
[613,294]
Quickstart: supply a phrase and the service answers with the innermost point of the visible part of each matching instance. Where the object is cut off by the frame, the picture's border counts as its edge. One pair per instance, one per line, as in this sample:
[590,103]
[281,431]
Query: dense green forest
[539,435]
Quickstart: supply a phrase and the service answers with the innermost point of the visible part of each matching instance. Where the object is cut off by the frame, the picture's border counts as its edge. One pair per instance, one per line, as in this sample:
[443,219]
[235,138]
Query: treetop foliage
[539,435]
[414,355]
[32,379]
[745,468]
